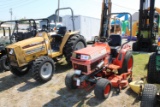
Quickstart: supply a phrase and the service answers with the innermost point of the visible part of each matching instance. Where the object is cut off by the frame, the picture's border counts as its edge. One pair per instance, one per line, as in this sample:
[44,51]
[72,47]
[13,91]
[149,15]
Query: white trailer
[87,26]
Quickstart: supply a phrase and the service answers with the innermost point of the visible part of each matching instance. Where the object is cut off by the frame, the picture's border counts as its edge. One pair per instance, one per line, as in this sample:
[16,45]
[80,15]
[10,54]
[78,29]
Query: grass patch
[140,61]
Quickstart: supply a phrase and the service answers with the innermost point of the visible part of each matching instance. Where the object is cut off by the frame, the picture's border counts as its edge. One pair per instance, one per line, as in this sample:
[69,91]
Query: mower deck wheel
[102,89]
[149,95]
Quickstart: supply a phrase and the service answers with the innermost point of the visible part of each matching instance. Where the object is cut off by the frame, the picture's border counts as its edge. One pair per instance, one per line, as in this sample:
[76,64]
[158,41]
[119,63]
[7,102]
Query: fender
[65,38]
[120,57]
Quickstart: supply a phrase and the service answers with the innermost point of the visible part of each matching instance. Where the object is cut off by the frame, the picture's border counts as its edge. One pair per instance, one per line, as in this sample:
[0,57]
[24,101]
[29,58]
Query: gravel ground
[26,92]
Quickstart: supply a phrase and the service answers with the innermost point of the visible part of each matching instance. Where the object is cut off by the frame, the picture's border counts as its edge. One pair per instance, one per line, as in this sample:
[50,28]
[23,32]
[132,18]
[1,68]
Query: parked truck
[87,26]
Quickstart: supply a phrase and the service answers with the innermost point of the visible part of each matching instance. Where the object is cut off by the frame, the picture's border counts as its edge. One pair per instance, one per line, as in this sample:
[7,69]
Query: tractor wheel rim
[24,69]
[46,70]
[107,90]
[130,64]
[79,45]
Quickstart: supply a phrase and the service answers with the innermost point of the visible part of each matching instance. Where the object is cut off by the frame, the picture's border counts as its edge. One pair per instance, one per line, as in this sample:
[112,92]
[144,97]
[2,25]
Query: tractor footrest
[124,81]
[114,67]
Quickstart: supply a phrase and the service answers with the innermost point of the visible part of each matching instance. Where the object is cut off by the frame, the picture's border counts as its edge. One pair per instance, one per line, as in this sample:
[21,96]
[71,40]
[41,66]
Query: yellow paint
[135,86]
[56,54]
[65,38]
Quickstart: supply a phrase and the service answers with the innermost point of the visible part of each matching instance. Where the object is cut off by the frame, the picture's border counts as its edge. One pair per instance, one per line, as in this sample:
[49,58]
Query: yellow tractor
[37,54]
[12,34]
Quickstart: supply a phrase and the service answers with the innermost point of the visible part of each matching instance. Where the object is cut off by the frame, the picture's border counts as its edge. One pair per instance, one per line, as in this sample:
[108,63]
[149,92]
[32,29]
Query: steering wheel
[103,39]
[108,40]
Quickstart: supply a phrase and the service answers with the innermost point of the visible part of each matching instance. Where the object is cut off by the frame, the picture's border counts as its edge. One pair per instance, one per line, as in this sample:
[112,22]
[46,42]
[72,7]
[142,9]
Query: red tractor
[104,65]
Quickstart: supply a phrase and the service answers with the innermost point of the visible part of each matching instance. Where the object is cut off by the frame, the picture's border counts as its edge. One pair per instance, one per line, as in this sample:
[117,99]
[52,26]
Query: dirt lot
[26,92]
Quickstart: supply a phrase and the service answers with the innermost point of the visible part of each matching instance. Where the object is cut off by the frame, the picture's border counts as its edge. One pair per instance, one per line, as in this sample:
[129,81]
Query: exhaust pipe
[100,65]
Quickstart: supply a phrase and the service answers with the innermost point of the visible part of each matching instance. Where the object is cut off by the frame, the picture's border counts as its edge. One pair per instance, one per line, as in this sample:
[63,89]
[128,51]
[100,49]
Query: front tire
[69,82]
[4,63]
[149,95]
[75,42]
[43,69]
[153,76]
[20,71]
[102,89]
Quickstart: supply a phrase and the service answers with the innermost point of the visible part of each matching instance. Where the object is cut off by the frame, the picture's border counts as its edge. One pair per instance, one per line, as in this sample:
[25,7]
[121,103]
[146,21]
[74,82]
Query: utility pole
[58,11]
[10,11]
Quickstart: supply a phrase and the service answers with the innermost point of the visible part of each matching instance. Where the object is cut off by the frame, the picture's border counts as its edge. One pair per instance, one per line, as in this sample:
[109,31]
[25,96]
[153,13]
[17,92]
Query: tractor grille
[94,65]
[12,57]
[81,67]
[13,60]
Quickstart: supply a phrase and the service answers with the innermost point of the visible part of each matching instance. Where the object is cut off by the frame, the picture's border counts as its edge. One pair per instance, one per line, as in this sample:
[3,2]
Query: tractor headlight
[11,51]
[77,72]
[84,57]
[74,55]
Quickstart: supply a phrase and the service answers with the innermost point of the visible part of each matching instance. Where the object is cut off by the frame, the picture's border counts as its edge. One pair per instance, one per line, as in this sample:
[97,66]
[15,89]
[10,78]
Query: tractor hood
[92,52]
[27,42]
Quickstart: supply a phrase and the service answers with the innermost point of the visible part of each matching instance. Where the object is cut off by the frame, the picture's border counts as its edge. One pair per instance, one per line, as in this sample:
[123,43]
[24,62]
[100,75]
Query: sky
[44,8]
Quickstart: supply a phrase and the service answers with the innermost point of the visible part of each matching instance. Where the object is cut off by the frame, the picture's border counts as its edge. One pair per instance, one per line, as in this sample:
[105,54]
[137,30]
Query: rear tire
[149,95]
[69,82]
[102,89]
[43,69]
[4,63]
[75,42]
[153,76]
[127,63]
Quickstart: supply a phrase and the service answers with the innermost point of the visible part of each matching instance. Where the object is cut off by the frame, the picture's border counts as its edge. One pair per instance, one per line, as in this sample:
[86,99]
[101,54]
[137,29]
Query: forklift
[148,27]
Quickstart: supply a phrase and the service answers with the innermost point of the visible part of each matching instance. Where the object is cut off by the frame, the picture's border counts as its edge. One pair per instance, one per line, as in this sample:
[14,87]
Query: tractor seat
[115,44]
[56,42]
[19,36]
[62,30]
